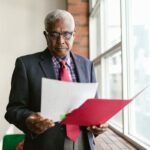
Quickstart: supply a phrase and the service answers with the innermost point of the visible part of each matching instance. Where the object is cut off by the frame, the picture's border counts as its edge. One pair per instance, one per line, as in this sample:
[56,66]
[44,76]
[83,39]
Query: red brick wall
[80,10]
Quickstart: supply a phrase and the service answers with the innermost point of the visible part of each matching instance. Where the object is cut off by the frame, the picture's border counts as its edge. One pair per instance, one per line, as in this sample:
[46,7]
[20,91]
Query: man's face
[60,38]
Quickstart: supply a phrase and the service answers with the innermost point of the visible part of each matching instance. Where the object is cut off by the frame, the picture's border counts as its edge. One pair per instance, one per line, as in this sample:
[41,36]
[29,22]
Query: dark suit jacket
[25,97]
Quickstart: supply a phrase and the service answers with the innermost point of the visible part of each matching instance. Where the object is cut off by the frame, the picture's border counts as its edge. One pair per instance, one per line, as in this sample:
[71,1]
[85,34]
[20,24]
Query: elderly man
[25,96]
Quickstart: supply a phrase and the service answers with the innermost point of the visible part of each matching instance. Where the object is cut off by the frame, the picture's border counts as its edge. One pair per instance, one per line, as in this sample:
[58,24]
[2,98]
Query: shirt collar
[67,58]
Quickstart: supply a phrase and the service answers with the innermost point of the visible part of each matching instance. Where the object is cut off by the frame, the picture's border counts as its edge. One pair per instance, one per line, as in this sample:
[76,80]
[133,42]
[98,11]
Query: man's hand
[96,130]
[38,124]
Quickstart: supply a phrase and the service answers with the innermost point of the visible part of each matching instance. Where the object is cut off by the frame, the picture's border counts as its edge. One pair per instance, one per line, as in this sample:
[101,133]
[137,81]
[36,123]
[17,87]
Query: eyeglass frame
[59,34]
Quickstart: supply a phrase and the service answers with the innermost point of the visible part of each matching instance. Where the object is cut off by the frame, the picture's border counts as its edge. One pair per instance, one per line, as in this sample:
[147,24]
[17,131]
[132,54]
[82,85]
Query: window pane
[95,35]
[113,81]
[112,30]
[98,78]
[139,67]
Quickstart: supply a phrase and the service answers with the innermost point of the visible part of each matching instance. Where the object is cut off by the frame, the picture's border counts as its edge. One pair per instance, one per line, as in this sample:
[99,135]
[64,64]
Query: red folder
[95,112]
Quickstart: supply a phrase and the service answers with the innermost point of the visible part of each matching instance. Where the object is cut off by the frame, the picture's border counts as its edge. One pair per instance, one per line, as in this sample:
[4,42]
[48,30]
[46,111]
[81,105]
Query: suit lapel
[47,65]
[79,68]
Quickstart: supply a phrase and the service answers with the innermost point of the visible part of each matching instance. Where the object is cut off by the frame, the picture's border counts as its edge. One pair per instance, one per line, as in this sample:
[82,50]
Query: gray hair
[59,15]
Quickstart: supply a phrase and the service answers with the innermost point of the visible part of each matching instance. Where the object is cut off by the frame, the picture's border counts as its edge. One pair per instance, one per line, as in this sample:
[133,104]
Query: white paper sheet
[59,97]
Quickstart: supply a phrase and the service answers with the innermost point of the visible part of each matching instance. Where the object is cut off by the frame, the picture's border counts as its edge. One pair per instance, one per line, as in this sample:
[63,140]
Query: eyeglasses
[66,35]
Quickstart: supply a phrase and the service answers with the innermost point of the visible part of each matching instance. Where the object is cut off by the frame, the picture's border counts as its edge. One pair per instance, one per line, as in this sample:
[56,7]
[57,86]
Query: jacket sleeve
[17,108]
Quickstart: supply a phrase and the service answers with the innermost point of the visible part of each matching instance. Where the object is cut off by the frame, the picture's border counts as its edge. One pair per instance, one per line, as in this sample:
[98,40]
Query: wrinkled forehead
[61,24]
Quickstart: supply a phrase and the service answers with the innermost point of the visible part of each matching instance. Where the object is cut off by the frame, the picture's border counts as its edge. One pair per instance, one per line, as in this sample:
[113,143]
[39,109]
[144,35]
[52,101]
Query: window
[113,82]
[119,48]
[139,59]
[105,45]
[111,22]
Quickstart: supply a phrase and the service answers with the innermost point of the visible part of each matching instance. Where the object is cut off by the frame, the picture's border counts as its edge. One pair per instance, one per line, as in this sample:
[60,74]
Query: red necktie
[73,131]
[64,72]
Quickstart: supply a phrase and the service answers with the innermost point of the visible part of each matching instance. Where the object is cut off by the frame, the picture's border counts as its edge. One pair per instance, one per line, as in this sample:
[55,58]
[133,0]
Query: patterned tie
[73,131]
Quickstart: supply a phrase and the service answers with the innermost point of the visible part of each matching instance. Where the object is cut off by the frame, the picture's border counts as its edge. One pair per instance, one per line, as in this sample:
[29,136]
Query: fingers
[88,128]
[97,129]
[43,124]
[38,124]
[104,125]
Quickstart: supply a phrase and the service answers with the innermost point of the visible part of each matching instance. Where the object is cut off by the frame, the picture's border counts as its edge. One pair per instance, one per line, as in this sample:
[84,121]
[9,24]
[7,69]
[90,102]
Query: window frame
[123,44]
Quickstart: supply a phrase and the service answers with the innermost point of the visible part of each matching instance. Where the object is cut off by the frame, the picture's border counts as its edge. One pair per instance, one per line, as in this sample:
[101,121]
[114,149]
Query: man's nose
[61,39]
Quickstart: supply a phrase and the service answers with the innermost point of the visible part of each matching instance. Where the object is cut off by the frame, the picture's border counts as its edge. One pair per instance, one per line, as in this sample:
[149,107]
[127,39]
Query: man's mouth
[60,48]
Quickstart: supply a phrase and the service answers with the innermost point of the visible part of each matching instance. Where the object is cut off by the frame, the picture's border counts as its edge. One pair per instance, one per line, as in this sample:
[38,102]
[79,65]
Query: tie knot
[63,63]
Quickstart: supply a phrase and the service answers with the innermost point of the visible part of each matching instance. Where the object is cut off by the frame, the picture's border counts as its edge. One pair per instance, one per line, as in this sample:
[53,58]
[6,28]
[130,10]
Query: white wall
[21,27]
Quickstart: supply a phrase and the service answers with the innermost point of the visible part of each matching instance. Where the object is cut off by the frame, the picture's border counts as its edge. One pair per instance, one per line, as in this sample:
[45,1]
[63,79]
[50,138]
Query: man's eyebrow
[60,32]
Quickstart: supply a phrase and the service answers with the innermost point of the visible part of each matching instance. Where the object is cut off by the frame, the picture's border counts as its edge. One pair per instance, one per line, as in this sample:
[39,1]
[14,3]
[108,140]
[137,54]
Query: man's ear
[44,32]
[74,35]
